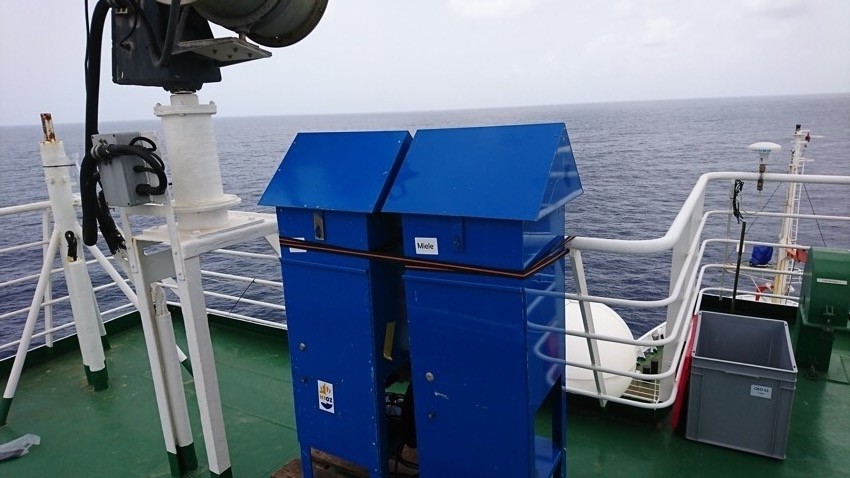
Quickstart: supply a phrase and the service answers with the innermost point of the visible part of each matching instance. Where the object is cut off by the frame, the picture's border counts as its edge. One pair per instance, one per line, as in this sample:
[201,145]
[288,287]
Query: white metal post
[160,343]
[577,266]
[57,175]
[48,291]
[203,365]
[26,335]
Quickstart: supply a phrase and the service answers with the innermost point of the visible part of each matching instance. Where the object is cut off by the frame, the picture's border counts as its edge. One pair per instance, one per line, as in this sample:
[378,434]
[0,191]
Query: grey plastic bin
[742,383]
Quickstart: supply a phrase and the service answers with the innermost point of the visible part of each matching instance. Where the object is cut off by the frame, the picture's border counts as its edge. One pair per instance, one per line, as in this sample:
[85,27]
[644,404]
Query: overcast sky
[406,55]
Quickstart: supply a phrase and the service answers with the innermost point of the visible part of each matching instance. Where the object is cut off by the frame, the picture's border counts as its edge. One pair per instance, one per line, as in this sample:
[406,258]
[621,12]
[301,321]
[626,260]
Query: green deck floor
[117,433]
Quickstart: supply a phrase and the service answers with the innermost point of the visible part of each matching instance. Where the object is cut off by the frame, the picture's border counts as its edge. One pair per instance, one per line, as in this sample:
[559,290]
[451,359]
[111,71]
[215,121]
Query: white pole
[171,402]
[26,335]
[87,321]
[114,275]
[48,291]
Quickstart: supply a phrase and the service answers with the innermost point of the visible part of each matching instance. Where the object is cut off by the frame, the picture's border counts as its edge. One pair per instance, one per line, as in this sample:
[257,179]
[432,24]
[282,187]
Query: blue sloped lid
[519,172]
[345,171]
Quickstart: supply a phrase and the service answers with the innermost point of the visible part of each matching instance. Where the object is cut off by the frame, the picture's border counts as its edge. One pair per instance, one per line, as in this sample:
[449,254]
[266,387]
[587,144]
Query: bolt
[302,346]
[431,415]
[303,379]
[429,376]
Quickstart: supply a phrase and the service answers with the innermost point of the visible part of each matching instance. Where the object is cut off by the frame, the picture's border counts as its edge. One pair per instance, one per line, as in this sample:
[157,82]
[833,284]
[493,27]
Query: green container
[824,306]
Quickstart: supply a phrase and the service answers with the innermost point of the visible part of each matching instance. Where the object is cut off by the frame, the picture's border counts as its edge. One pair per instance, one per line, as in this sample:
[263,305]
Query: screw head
[302,346]
[429,376]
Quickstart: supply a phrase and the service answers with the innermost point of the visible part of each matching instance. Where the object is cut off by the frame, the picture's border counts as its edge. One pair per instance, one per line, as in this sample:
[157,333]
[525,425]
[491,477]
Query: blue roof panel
[345,171]
[519,172]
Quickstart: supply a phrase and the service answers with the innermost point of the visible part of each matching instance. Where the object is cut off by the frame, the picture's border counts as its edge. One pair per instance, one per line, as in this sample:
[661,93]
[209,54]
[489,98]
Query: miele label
[426,246]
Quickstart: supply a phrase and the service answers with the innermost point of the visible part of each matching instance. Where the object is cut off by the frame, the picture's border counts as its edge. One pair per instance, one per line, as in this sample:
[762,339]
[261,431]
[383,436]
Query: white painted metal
[203,364]
[196,222]
[587,321]
[199,199]
[57,175]
[48,291]
[159,340]
[29,325]
[791,206]
[681,222]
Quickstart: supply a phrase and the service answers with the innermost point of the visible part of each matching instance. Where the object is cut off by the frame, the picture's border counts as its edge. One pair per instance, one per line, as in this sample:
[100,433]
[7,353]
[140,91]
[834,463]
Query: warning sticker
[326,397]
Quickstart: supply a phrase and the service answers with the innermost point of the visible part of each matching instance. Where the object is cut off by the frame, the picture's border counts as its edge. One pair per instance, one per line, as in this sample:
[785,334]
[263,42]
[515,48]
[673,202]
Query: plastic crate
[743,377]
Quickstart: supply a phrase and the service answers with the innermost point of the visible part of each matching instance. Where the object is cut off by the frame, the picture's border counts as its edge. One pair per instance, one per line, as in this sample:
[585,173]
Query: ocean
[638,162]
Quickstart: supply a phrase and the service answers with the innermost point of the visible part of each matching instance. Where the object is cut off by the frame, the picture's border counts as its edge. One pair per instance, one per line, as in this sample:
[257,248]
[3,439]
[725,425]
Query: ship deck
[117,432]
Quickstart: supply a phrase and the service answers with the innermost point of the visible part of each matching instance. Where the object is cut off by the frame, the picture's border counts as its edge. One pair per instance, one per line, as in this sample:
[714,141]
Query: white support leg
[577,266]
[203,366]
[165,368]
[26,335]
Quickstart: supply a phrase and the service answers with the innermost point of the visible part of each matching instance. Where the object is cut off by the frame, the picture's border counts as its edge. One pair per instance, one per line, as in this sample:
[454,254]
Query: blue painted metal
[479,380]
[528,171]
[339,307]
[347,171]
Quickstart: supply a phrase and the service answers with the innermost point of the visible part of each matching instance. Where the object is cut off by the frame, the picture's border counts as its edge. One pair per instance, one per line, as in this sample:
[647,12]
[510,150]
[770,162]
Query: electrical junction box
[489,199]
[824,306]
[344,313]
[118,179]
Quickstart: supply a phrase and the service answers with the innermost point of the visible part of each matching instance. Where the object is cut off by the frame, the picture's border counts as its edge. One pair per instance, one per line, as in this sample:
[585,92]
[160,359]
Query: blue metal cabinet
[493,198]
[344,314]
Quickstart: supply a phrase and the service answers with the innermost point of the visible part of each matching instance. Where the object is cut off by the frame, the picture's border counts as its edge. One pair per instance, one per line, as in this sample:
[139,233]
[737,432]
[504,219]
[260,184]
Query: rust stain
[47,127]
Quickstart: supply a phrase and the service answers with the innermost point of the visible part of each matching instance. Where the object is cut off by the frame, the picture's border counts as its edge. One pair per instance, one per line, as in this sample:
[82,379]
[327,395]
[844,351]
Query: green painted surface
[116,432]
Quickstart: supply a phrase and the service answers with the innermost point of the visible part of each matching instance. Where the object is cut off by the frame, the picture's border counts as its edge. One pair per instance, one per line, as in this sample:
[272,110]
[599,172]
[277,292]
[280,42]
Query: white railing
[684,239]
[113,280]
[687,273]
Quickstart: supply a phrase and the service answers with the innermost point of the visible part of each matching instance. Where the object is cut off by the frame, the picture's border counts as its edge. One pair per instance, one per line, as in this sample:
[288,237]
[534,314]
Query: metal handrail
[683,316]
[683,289]
[49,301]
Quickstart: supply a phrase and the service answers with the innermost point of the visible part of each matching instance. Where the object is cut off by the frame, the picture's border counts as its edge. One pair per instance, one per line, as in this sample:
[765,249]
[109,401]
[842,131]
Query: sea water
[638,162]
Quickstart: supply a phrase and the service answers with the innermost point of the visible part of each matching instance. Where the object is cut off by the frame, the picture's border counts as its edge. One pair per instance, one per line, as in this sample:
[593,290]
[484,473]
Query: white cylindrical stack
[199,199]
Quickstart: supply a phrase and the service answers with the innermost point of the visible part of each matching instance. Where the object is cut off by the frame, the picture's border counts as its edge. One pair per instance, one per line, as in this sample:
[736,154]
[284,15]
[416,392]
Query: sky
[407,55]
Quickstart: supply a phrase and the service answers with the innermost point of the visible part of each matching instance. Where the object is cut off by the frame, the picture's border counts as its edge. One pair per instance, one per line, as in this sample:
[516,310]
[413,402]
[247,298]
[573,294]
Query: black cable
[114,240]
[812,206]
[151,146]
[241,295]
[88,168]
[756,218]
[736,200]
[88,34]
[170,34]
[110,151]
[135,7]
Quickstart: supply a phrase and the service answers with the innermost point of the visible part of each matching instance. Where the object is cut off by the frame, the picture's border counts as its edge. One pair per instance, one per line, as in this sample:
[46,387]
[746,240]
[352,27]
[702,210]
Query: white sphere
[615,356]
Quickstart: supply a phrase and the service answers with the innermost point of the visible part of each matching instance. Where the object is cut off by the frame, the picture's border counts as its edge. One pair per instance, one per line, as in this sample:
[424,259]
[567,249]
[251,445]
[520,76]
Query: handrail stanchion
[26,336]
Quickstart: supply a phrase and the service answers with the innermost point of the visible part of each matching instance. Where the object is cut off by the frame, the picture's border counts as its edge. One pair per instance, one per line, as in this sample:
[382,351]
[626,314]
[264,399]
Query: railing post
[577,266]
[26,335]
[682,263]
[48,290]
